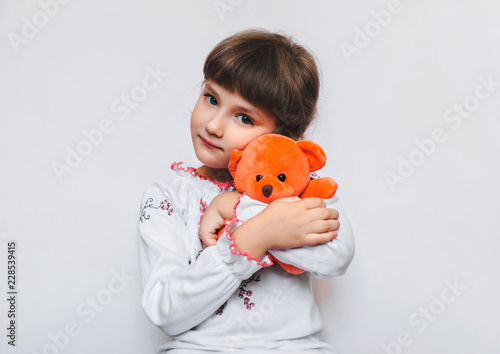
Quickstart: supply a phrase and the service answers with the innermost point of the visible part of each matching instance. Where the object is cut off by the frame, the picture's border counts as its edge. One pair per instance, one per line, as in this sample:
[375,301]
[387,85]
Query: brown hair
[270,71]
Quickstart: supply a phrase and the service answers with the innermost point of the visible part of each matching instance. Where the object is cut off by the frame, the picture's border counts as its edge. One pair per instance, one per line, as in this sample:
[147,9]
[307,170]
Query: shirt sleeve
[180,292]
[325,260]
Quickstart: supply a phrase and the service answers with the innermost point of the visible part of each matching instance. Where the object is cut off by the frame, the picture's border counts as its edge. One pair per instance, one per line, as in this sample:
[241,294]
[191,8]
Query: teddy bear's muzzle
[267,190]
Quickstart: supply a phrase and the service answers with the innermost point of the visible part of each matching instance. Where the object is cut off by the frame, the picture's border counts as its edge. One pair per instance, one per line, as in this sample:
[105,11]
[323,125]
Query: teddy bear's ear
[234,160]
[314,153]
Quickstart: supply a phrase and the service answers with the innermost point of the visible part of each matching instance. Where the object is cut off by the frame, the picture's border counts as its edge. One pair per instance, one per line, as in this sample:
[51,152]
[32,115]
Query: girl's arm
[328,259]
[182,289]
[300,232]
[285,223]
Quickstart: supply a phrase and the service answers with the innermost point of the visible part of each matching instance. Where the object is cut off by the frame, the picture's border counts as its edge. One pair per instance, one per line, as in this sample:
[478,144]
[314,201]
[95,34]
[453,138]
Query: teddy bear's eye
[258,178]
[282,177]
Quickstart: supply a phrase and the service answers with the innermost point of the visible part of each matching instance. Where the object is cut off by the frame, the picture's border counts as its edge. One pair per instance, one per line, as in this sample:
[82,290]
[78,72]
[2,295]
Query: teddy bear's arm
[324,188]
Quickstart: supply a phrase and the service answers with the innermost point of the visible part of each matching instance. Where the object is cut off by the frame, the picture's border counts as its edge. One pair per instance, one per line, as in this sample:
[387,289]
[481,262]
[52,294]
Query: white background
[433,228]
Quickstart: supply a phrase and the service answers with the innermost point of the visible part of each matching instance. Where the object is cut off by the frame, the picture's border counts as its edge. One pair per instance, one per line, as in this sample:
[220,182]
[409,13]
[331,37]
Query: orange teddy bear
[273,166]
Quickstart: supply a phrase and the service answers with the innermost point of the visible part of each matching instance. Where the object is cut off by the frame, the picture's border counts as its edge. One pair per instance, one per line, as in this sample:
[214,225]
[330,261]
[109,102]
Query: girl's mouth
[209,144]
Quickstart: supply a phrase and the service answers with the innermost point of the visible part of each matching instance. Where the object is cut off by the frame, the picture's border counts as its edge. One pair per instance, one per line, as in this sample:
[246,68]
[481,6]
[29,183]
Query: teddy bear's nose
[267,190]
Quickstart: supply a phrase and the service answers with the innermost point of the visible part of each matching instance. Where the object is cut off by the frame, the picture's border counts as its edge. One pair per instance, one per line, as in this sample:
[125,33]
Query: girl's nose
[215,126]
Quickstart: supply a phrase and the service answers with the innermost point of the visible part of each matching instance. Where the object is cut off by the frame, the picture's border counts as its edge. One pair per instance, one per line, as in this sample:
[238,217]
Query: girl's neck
[220,175]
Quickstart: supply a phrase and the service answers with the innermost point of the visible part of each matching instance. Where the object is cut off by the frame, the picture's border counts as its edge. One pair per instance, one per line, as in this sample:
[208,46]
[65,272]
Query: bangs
[252,74]
[270,73]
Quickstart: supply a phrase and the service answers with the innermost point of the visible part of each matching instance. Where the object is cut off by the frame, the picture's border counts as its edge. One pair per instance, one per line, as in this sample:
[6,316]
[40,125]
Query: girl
[227,297]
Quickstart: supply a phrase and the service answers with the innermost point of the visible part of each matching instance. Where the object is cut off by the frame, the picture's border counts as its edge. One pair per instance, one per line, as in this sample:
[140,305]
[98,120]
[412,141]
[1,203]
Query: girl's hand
[220,209]
[210,224]
[288,223]
[294,222]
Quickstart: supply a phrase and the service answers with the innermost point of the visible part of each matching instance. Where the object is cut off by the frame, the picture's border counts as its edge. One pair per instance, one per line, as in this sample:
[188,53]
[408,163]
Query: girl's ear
[234,160]
[314,153]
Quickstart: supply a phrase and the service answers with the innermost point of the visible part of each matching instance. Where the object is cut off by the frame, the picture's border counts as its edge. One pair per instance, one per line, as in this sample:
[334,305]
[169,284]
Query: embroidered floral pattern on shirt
[203,209]
[220,309]
[246,293]
[163,205]
[243,294]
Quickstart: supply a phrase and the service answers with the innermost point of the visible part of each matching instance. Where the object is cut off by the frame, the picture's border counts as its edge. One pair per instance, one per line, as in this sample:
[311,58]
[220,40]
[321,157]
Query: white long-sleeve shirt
[215,300]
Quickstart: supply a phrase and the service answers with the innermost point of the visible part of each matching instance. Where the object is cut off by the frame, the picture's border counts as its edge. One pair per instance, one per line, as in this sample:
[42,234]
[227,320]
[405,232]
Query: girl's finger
[311,203]
[315,239]
[323,226]
[323,214]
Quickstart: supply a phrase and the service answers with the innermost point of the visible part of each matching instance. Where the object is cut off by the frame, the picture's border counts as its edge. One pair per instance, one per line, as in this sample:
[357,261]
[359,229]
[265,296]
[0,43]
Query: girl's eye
[211,99]
[245,119]
[282,177]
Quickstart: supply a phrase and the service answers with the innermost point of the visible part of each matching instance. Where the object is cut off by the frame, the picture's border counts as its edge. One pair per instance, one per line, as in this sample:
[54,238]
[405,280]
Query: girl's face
[222,121]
